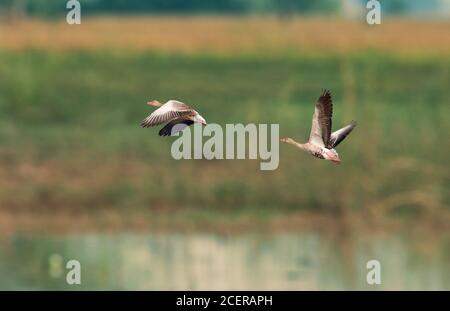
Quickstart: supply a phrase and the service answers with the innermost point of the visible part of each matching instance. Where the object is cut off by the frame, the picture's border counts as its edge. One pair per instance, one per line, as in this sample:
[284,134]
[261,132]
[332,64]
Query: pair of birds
[321,144]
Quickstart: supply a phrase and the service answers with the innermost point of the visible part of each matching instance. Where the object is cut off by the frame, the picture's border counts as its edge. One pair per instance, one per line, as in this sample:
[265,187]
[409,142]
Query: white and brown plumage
[321,141]
[176,114]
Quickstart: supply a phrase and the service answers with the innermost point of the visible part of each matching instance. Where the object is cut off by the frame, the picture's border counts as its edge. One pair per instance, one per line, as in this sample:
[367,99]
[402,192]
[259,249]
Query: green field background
[70,121]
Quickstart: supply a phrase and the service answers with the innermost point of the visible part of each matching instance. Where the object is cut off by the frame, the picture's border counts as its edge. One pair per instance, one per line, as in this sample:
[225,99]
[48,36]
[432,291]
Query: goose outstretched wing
[338,136]
[169,111]
[321,121]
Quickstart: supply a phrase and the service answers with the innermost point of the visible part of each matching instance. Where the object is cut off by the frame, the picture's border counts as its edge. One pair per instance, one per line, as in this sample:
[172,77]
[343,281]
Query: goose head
[154,103]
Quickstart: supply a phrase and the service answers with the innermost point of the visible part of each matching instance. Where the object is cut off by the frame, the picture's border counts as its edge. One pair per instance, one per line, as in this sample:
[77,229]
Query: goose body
[322,142]
[175,114]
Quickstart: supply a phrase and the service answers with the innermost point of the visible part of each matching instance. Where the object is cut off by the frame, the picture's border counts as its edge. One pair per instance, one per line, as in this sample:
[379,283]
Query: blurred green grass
[71,138]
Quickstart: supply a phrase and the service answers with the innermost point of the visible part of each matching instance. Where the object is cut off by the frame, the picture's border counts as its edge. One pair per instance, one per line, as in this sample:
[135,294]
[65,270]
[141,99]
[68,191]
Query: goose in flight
[176,114]
[321,141]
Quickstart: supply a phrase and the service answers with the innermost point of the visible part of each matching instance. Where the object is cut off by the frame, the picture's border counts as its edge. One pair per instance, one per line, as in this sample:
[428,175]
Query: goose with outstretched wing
[322,141]
[175,114]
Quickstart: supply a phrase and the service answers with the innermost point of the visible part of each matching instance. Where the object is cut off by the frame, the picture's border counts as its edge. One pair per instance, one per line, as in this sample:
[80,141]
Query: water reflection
[214,262]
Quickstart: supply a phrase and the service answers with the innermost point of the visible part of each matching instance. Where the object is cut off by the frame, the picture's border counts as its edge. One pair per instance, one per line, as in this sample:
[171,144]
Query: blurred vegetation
[70,114]
[71,137]
[52,8]
[73,157]
[44,8]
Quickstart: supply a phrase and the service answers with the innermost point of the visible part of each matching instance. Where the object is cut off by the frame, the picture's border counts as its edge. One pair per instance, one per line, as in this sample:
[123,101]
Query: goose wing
[174,127]
[338,136]
[169,111]
[321,121]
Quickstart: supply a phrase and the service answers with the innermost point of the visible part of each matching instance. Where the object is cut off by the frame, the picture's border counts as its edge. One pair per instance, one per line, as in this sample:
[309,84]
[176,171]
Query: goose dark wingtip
[163,133]
[325,96]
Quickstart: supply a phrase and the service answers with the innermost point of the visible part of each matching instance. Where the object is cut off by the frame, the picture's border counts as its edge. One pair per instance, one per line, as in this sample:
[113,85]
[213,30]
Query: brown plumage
[321,141]
[321,121]
[176,114]
[338,136]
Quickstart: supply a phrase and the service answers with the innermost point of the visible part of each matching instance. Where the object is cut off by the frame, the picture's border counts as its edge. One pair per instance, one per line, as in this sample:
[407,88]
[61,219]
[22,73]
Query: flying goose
[176,114]
[321,141]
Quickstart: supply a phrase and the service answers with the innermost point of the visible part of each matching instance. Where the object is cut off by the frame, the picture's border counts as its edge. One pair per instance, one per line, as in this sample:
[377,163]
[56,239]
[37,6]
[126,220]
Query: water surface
[306,261]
